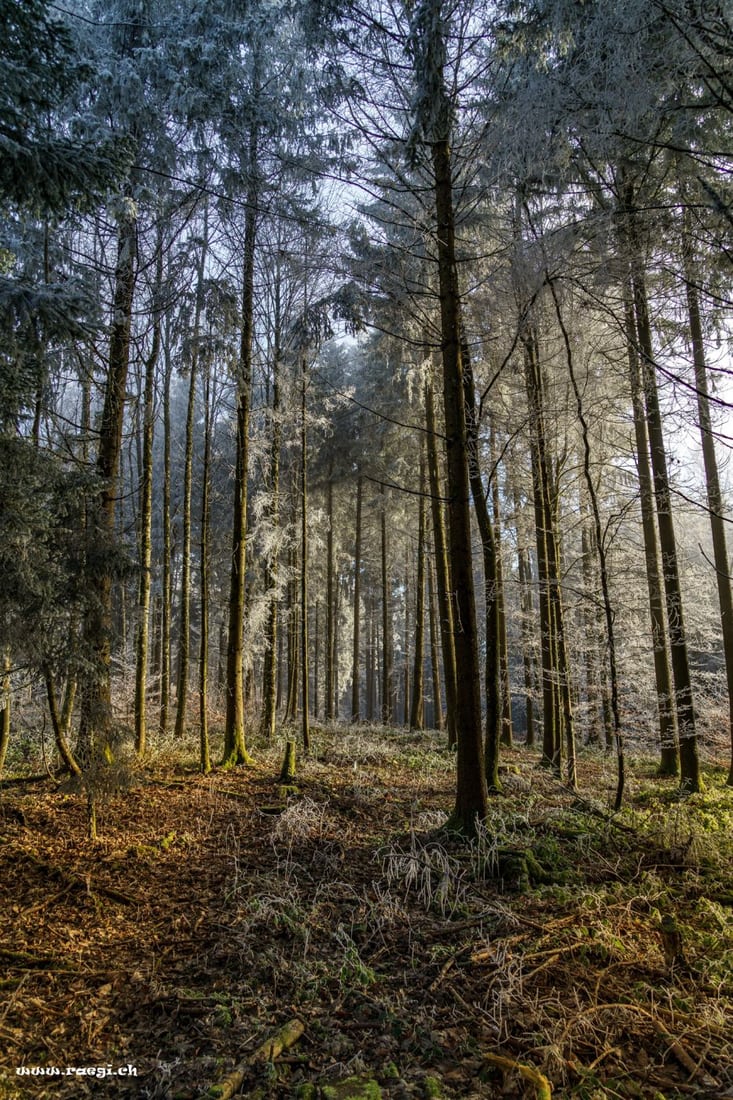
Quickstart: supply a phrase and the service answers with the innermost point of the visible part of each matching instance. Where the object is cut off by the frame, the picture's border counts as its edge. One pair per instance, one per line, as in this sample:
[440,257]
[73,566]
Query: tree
[433,123]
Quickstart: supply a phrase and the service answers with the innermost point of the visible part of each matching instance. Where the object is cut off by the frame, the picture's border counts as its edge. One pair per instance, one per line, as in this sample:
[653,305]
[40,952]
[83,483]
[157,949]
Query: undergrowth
[592,948]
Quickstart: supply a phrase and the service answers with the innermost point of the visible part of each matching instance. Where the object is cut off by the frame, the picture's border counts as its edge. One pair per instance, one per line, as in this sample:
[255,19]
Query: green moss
[286,791]
[431,1088]
[353,1088]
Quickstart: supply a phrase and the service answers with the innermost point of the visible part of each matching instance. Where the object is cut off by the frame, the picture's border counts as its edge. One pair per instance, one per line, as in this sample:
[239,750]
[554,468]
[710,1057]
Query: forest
[366,703]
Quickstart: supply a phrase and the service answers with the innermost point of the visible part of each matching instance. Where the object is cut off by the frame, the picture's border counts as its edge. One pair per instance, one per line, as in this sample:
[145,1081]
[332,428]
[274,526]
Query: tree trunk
[204,748]
[59,731]
[5,711]
[146,516]
[355,685]
[417,715]
[442,569]
[506,693]
[330,639]
[488,546]
[689,761]
[406,645]
[271,663]
[438,723]
[712,479]
[235,751]
[471,793]
[669,745]
[317,661]
[291,706]
[602,559]
[370,676]
[552,716]
[166,572]
[95,726]
[305,717]
[184,637]
[386,618]
[525,587]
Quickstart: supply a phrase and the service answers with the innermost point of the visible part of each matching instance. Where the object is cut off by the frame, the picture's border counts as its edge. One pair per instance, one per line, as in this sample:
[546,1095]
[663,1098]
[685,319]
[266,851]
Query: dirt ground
[562,949]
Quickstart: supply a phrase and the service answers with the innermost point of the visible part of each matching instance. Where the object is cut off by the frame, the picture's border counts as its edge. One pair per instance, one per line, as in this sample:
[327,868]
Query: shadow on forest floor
[592,953]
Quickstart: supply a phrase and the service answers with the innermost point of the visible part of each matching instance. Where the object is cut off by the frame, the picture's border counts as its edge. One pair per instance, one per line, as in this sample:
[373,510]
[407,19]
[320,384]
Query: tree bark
[506,693]
[551,713]
[438,722]
[471,792]
[689,761]
[442,569]
[270,671]
[417,716]
[5,711]
[492,680]
[166,572]
[601,552]
[330,638]
[387,652]
[95,726]
[204,747]
[669,745]
[184,636]
[355,684]
[712,479]
[146,516]
[235,750]
[305,673]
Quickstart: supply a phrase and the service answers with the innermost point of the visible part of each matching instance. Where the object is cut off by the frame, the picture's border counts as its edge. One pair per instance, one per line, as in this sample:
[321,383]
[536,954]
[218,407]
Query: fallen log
[230,1085]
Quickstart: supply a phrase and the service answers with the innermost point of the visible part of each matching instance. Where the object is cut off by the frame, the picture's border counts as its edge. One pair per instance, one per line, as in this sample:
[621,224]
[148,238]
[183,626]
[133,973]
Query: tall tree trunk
[336,647]
[406,645]
[271,663]
[525,587]
[387,651]
[95,726]
[442,569]
[601,552]
[471,793]
[166,572]
[291,706]
[355,684]
[204,747]
[184,637]
[490,564]
[235,750]
[317,661]
[417,715]
[434,653]
[552,715]
[370,674]
[587,624]
[669,745]
[305,674]
[506,694]
[712,479]
[689,761]
[330,615]
[5,710]
[146,516]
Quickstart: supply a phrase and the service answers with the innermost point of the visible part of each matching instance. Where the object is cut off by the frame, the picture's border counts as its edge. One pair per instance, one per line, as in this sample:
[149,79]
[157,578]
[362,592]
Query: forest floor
[565,947]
